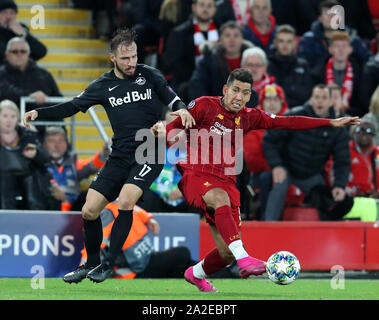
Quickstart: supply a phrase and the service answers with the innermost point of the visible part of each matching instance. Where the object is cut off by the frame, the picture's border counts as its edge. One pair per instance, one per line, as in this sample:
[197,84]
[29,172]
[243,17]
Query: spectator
[10,27]
[357,15]
[364,173]
[183,44]
[125,12]
[138,258]
[260,27]
[68,171]
[103,13]
[299,158]
[291,72]
[373,115]
[272,100]
[370,78]
[229,10]
[147,25]
[21,76]
[173,13]
[218,61]
[374,12]
[21,156]
[341,68]
[313,45]
[255,61]
[336,99]
[287,12]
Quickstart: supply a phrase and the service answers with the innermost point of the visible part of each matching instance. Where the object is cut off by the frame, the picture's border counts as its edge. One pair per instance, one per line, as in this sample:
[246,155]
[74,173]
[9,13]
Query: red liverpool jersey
[212,143]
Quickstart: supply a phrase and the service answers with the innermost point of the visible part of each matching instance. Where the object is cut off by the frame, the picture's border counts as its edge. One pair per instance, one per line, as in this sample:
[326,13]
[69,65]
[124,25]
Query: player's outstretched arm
[29,116]
[55,112]
[345,121]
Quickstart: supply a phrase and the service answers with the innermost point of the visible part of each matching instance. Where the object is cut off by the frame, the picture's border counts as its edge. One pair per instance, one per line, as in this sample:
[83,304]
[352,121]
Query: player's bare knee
[126,204]
[221,199]
[89,214]
[217,198]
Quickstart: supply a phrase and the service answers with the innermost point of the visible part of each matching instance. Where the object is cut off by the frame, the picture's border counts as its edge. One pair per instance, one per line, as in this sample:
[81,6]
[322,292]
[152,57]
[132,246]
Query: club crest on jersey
[133,96]
[270,115]
[140,81]
[238,122]
[191,104]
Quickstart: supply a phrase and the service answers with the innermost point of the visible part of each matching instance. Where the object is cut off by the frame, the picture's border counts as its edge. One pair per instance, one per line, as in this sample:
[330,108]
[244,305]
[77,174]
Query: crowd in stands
[301,65]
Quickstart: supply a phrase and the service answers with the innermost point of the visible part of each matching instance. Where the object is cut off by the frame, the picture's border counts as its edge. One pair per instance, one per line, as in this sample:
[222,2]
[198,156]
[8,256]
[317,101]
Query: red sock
[213,262]
[226,225]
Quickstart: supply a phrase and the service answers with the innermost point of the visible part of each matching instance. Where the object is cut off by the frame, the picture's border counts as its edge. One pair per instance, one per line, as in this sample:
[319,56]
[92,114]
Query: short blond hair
[8,104]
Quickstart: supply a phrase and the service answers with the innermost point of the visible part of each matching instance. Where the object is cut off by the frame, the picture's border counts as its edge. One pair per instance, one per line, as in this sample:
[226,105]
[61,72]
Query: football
[283,267]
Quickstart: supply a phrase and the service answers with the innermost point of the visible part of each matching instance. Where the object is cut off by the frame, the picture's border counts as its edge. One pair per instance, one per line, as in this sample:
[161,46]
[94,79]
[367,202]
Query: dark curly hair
[241,75]
[125,36]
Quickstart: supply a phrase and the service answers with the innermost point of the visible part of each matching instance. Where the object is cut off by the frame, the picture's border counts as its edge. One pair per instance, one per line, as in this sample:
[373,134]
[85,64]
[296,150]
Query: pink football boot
[202,284]
[250,266]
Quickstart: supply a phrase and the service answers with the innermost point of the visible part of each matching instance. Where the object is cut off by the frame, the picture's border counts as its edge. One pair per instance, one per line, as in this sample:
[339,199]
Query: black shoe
[101,272]
[77,275]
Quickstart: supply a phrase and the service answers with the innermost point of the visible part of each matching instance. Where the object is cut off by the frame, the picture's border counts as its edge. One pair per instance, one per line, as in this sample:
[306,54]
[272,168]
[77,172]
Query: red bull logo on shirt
[133,96]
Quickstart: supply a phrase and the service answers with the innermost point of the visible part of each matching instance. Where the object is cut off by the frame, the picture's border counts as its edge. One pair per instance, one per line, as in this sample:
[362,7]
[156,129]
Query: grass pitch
[177,289]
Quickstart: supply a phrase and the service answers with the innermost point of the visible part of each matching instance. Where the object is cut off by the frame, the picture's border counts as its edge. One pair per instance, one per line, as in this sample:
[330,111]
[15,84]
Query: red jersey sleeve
[258,119]
[194,108]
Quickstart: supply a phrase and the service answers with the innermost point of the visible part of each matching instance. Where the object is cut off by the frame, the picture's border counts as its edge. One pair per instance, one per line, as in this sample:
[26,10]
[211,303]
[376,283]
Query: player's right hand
[187,120]
[344,121]
[30,116]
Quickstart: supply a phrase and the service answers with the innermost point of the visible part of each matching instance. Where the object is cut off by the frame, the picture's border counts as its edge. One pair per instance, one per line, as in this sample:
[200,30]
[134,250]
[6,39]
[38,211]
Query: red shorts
[194,185]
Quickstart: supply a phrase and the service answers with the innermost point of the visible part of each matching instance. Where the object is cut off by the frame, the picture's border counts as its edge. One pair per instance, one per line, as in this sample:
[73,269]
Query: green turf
[162,289]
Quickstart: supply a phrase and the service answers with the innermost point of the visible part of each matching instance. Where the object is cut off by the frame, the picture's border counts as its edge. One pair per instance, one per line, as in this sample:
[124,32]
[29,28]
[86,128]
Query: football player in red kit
[210,185]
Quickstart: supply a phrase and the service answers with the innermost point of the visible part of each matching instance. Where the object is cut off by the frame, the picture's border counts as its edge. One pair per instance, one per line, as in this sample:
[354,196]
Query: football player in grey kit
[133,96]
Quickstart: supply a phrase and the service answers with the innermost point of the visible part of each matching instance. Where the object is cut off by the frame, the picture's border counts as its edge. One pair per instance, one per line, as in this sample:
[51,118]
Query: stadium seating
[74,58]
[299,213]
[294,208]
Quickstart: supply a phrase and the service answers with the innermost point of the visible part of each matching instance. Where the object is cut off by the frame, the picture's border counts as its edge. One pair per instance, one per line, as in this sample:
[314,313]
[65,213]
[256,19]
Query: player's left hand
[187,120]
[159,129]
[345,121]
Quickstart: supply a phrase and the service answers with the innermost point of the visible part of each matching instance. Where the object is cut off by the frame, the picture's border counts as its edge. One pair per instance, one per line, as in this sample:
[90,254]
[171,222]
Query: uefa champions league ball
[283,267]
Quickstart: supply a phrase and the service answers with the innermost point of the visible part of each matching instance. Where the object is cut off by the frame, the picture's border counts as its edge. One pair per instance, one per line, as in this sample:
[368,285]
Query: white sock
[198,270]
[239,252]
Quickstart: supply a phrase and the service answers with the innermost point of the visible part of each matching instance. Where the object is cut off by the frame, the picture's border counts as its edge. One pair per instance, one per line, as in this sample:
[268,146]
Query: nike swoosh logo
[136,178]
[110,89]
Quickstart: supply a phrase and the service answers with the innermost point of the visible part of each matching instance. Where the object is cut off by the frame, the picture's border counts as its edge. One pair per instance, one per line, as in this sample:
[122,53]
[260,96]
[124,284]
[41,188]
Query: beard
[124,75]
